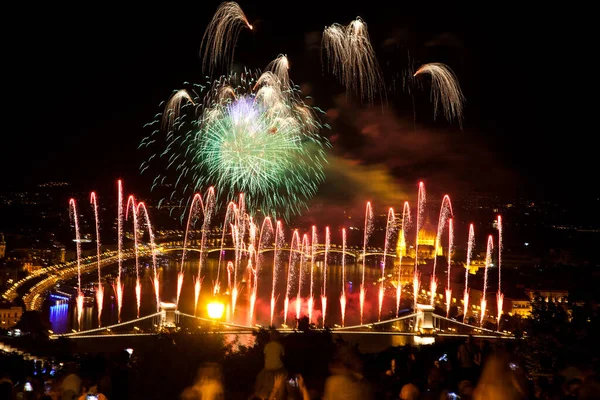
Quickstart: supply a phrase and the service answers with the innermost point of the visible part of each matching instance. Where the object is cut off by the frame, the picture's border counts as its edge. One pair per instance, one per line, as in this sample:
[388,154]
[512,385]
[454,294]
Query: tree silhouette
[547,335]
[33,323]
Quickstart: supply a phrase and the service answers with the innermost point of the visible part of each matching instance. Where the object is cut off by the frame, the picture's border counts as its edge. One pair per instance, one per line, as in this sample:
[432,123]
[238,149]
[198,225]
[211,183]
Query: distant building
[31,267]
[9,315]
[38,256]
[476,263]
[2,246]
[426,241]
[519,307]
[9,273]
[549,295]
[515,260]
[520,304]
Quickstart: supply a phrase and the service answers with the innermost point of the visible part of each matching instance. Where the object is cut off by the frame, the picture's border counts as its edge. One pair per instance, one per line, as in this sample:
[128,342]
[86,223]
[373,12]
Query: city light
[215,310]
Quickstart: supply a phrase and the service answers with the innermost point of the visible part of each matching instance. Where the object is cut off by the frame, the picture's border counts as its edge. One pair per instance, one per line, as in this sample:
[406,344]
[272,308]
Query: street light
[215,310]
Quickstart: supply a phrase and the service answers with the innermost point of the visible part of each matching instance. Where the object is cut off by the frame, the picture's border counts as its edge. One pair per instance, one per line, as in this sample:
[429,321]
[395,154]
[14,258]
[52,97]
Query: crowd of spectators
[295,367]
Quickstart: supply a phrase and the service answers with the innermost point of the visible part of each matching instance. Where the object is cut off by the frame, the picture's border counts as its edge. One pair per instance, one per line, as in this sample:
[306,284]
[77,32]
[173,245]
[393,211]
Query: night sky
[81,83]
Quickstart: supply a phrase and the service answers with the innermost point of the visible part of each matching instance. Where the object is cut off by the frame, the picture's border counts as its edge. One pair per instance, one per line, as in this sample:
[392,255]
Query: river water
[63,317]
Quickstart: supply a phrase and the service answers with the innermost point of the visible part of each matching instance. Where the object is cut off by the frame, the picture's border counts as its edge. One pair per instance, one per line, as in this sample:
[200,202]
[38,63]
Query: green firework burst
[249,134]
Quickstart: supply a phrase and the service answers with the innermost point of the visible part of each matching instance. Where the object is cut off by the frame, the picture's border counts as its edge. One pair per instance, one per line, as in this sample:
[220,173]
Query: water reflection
[59,316]
[63,316]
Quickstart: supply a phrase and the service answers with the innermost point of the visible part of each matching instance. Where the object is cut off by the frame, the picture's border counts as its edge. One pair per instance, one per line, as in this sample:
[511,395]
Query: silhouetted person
[415,370]
[303,324]
[499,381]
[105,384]
[391,382]
[347,381]
[410,392]
[120,377]
[467,358]
[283,390]
[465,390]
[435,382]
[91,390]
[273,366]
[7,388]
[590,389]
[71,383]
[486,352]
[208,385]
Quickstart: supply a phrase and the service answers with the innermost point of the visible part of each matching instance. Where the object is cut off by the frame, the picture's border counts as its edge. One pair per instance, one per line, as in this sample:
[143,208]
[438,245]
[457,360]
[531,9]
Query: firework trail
[263,141]
[220,37]
[390,230]
[352,58]
[324,291]
[207,210]
[230,270]
[279,242]
[304,252]
[488,262]
[367,232]
[313,250]
[290,273]
[155,280]
[251,283]
[252,265]
[402,242]
[470,247]
[421,200]
[280,68]
[118,285]
[229,218]
[100,291]
[75,218]
[500,295]
[343,295]
[173,107]
[266,231]
[197,204]
[235,238]
[445,213]
[240,226]
[138,284]
[450,249]
[445,90]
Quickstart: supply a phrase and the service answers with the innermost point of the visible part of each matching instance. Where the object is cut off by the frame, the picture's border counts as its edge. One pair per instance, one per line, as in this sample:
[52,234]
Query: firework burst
[352,58]
[445,90]
[220,37]
[249,133]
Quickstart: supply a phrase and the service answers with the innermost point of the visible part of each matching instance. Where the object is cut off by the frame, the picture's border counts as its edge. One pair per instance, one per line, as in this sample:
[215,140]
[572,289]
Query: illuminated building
[520,307]
[38,256]
[9,315]
[31,267]
[427,251]
[426,241]
[548,295]
[476,263]
[2,246]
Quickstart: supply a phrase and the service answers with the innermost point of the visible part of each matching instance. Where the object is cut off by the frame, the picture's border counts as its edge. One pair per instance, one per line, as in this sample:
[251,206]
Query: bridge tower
[424,324]
[168,317]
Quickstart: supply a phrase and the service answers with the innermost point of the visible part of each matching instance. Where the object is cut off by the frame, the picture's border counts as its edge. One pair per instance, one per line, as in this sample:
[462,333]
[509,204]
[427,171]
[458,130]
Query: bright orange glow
[215,310]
